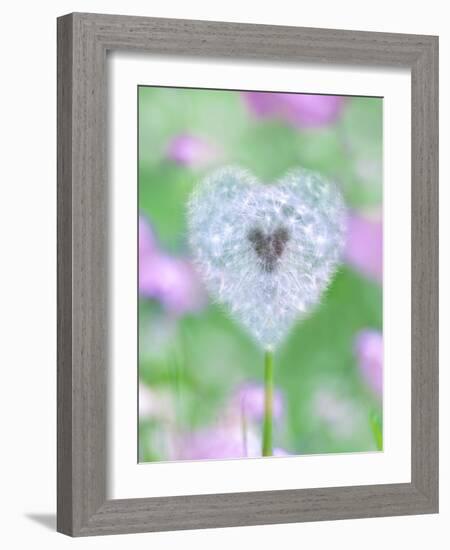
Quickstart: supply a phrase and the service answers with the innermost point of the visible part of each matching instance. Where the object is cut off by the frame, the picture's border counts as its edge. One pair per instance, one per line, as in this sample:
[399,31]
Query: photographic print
[260,274]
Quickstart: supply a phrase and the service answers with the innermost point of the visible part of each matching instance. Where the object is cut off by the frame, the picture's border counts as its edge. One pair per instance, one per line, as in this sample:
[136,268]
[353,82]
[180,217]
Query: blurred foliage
[200,358]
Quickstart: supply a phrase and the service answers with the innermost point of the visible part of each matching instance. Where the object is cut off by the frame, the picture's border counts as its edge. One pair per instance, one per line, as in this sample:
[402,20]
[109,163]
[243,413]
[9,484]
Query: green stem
[377,430]
[267,446]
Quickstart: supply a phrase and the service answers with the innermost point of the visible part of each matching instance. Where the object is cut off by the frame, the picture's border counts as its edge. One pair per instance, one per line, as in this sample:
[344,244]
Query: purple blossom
[280,452]
[147,242]
[170,280]
[263,104]
[190,151]
[223,442]
[236,436]
[249,401]
[300,110]
[219,442]
[369,352]
[364,248]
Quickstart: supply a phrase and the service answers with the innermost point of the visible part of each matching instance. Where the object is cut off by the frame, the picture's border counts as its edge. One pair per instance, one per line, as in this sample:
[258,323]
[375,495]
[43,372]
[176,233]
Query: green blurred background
[191,362]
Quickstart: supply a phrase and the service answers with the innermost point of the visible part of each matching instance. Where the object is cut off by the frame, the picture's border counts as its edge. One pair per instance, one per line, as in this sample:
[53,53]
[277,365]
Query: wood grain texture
[425,273]
[64,295]
[83,275]
[83,317]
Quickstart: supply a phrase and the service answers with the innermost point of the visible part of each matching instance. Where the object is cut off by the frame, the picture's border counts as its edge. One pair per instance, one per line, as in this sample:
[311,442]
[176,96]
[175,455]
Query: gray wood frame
[83,41]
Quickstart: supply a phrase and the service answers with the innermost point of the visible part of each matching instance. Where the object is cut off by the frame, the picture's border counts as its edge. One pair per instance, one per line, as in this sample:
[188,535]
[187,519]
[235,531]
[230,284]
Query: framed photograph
[247,274]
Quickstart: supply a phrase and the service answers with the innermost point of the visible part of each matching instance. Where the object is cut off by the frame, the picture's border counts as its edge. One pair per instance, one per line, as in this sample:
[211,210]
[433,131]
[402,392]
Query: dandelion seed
[266,252]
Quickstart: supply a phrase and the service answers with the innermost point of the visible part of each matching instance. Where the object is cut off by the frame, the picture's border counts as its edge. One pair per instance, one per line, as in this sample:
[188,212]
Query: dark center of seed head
[268,247]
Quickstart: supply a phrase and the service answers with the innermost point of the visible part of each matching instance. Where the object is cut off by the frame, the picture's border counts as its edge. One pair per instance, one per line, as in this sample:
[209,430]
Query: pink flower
[263,104]
[364,248]
[223,442]
[249,401]
[147,242]
[369,352]
[237,435]
[300,110]
[170,280]
[280,452]
[191,151]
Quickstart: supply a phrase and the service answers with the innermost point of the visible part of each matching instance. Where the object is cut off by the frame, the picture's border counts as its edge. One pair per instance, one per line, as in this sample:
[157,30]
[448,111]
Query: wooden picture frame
[83,42]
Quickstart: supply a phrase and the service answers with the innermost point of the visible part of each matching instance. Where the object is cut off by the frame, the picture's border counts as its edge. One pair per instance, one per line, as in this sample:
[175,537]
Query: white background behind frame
[127,479]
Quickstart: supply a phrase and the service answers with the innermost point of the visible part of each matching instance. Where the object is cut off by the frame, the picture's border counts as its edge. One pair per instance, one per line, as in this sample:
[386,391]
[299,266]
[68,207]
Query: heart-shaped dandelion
[266,252]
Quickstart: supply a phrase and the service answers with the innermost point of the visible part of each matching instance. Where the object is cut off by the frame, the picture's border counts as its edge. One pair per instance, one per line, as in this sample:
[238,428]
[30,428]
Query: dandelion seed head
[266,252]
